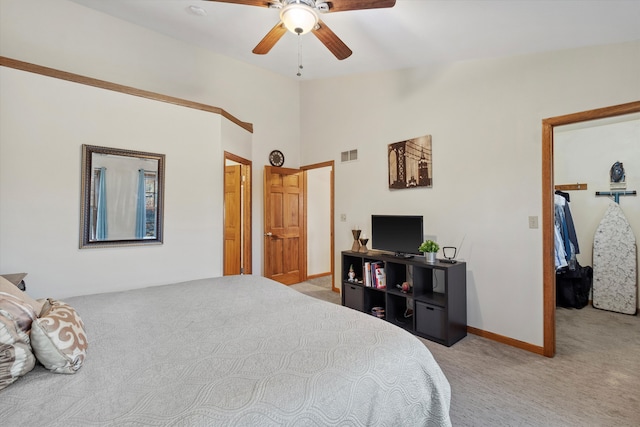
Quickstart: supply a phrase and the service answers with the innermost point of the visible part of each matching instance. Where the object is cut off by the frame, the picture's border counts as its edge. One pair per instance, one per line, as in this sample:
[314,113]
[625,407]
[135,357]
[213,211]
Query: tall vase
[356,243]
[430,257]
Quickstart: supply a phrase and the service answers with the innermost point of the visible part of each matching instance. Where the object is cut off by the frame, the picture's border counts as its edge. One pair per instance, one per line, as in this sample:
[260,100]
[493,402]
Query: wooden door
[284,237]
[232,220]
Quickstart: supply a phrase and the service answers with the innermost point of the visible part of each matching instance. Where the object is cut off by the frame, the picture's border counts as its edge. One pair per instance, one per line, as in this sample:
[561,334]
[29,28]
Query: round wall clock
[276,158]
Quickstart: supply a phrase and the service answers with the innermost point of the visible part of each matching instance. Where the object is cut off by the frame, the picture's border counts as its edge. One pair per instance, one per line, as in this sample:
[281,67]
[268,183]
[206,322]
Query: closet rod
[566,187]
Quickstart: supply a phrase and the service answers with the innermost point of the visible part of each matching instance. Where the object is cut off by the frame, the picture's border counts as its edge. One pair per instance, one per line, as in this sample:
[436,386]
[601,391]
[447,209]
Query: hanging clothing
[561,255]
[571,231]
[566,240]
[573,282]
[564,194]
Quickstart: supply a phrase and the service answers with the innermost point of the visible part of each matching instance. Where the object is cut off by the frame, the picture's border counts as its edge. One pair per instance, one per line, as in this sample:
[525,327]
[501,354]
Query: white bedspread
[233,351]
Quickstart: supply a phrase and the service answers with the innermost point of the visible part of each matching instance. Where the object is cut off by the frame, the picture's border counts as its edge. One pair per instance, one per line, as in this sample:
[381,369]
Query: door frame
[247,249]
[330,164]
[548,247]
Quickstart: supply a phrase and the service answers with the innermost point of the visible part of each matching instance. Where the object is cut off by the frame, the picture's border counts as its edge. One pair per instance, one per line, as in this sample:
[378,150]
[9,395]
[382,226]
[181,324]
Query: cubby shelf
[436,307]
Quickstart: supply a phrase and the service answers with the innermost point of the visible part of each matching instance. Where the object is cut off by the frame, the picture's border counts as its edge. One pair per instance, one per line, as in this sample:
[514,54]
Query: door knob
[269,234]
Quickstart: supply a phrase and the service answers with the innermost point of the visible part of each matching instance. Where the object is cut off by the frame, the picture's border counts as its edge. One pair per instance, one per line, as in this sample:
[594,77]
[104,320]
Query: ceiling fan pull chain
[299,74]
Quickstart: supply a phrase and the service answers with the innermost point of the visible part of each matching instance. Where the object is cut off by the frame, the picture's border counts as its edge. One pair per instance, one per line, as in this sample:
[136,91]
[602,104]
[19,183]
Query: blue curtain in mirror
[101,215]
[141,221]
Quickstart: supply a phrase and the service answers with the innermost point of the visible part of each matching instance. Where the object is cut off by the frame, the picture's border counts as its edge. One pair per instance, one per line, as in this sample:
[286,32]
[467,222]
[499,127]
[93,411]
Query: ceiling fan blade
[331,41]
[342,5]
[261,3]
[270,39]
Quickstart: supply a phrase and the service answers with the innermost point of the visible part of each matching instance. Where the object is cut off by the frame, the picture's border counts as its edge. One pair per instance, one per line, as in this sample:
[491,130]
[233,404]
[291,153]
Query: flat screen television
[400,234]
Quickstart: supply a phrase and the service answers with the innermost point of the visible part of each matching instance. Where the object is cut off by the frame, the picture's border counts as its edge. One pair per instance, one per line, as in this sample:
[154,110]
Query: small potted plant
[429,248]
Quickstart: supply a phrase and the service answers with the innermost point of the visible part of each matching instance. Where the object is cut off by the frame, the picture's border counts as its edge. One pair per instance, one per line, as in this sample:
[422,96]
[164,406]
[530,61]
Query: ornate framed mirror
[122,200]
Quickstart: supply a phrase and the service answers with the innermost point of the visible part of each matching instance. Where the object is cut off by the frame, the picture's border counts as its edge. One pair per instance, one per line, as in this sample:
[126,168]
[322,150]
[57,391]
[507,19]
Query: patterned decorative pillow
[16,358]
[58,338]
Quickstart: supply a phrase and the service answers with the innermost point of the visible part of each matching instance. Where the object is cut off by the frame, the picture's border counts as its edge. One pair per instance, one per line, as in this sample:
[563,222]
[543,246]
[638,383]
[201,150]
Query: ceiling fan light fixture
[299,18]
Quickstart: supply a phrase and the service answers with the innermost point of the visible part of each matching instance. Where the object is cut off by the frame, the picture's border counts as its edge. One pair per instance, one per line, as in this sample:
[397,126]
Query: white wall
[236,140]
[43,124]
[485,118]
[64,35]
[584,153]
[318,221]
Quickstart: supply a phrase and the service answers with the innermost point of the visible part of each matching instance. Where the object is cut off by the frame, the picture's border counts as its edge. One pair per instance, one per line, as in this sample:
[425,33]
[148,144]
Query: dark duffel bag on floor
[573,287]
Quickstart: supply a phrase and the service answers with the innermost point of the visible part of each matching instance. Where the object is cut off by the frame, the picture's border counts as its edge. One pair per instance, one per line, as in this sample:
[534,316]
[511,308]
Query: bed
[233,351]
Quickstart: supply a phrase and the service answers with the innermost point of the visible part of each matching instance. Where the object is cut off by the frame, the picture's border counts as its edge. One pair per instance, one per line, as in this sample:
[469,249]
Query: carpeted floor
[594,379]
[319,288]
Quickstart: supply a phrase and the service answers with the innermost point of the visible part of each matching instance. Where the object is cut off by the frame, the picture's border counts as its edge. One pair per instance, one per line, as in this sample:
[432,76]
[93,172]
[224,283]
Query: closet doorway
[237,215]
[548,125]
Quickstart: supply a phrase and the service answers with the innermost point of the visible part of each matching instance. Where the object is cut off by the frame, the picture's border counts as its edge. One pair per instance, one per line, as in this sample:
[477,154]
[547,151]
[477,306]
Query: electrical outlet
[343,217]
[533,222]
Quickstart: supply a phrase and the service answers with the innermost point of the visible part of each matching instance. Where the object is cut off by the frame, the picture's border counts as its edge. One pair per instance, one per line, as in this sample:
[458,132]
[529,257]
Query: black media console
[436,306]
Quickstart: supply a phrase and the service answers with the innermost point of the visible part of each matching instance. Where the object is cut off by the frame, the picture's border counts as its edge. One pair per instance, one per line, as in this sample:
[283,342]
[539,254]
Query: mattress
[233,351]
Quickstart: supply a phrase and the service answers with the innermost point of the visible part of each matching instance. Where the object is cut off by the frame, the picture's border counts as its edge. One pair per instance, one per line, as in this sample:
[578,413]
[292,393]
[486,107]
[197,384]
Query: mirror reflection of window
[93,207]
[99,208]
[124,197]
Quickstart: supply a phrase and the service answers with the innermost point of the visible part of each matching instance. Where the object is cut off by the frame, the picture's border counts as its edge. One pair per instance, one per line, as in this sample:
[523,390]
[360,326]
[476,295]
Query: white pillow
[58,338]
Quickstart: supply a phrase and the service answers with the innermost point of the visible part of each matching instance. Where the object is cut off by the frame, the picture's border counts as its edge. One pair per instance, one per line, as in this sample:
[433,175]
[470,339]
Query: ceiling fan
[302,16]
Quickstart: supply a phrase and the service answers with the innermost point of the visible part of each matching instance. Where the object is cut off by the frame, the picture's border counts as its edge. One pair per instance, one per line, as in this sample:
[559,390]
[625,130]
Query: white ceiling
[413,33]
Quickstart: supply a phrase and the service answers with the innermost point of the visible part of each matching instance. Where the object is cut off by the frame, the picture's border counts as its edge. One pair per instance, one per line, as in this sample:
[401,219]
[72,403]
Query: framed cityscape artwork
[410,163]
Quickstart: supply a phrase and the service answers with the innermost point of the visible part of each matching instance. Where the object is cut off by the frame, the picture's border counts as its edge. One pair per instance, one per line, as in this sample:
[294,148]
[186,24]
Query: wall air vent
[349,156]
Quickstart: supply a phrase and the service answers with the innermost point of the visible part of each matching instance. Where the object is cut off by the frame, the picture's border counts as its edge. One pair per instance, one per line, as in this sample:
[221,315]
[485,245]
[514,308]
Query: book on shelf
[375,274]
[381,278]
[372,274]
[366,274]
